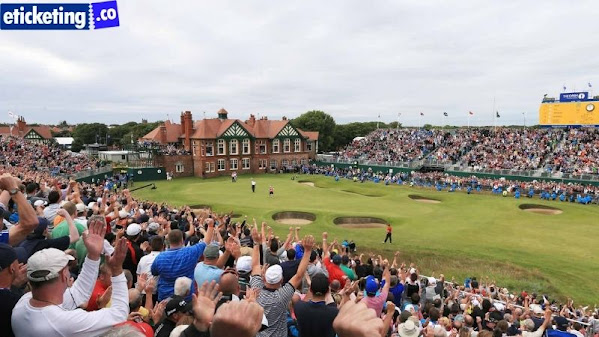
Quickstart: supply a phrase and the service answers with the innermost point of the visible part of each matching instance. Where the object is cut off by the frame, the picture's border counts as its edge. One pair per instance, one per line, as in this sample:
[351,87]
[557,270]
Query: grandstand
[532,152]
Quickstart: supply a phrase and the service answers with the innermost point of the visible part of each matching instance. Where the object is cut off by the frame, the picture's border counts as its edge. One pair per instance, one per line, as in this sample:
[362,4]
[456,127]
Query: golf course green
[456,234]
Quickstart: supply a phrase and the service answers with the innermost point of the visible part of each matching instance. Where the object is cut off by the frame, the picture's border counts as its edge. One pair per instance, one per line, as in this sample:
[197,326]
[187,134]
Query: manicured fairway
[463,235]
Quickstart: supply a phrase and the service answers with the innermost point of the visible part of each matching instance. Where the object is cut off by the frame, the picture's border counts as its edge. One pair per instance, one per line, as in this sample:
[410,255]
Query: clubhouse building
[221,146]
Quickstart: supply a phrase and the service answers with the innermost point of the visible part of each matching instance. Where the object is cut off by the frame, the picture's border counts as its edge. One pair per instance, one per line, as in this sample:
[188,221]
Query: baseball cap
[371,285]
[39,203]
[133,229]
[274,274]
[337,259]
[123,214]
[41,227]
[177,304]
[153,226]
[536,309]
[244,264]
[7,256]
[432,281]
[91,205]
[211,252]
[319,285]
[80,208]
[45,264]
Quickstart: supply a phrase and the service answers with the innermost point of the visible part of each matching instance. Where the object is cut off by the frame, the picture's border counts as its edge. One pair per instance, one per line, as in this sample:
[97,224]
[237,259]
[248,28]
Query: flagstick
[468,120]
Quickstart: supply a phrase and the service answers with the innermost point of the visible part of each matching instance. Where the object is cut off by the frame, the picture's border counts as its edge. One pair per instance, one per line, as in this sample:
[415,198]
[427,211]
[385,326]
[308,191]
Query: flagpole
[420,121]
[494,117]
[468,120]
[398,114]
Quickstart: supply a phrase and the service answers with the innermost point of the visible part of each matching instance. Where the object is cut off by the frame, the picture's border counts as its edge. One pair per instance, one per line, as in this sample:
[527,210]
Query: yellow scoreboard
[569,113]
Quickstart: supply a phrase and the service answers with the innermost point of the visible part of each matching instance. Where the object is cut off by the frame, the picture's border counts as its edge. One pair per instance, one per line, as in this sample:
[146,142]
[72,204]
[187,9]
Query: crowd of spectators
[81,259]
[577,154]
[19,155]
[557,150]
[391,145]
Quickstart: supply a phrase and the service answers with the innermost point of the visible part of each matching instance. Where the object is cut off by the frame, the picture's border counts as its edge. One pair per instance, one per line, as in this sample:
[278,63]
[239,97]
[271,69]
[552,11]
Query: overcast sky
[352,59]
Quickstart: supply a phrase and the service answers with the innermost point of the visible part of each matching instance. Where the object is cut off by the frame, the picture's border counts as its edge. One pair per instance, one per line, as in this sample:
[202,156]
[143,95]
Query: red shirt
[99,289]
[335,272]
[389,229]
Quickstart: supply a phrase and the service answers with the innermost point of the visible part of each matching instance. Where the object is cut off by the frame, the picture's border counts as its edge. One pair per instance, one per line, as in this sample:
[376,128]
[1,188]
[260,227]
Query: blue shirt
[206,273]
[396,291]
[174,263]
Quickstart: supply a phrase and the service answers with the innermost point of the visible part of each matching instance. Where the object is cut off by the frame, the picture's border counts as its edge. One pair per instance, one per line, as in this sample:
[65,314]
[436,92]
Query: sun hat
[274,274]
[408,329]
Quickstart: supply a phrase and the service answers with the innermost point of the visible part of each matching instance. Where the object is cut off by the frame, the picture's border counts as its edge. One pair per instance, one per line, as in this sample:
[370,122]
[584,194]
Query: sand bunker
[307,183]
[360,222]
[363,194]
[294,218]
[420,198]
[540,209]
[200,209]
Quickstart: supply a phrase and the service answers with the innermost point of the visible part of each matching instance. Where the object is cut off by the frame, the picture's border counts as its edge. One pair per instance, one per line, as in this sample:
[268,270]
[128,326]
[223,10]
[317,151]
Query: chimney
[188,130]
[21,124]
[162,134]
[182,123]
[252,121]
[284,118]
[222,114]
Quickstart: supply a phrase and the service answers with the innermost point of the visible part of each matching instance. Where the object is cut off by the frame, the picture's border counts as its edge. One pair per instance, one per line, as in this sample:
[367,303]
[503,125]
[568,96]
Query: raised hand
[356,320]
[308,242]
[204,304]
[93,237]
[115,262]
[237,319]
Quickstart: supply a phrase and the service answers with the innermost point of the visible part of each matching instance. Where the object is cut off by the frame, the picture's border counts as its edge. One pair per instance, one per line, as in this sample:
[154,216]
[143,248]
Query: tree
[318,121]
[88,133]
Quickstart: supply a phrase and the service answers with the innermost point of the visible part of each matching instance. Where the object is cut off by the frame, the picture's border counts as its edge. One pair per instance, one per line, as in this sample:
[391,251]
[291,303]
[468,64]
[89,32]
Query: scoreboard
[577,113]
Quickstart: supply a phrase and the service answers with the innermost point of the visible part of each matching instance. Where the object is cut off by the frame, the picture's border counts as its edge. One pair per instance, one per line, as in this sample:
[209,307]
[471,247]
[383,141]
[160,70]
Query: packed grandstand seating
[149,281]
[573,151]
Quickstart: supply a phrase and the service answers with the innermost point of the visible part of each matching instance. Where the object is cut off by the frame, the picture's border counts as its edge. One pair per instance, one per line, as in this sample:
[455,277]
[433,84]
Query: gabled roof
[173,133]
[43,131]
[311,135]
[214,128]
[265,128]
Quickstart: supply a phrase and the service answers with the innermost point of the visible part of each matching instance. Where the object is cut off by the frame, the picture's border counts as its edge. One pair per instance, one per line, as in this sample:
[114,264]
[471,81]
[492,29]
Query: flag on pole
[470,113]
[564,88]
[497,114]
[11,114]
[421,114]
[445,114]
[590,86]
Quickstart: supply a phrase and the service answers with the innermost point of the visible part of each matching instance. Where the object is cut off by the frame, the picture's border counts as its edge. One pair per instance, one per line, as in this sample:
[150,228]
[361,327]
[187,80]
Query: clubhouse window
[263,164]
[220,147]
[293,162]
[245,163]
[233,164]
[273,164]
[179,168]
[221,164]
[209,149]
[275,146]
[209,167]
[287,145]
[246,146]
[233,146]
[285,163]
[303,161]
[297,145]
[262,147]
[309,146]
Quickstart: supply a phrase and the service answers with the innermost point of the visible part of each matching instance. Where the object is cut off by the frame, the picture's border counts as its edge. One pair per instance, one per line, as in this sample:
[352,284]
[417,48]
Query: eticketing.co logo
[46,16]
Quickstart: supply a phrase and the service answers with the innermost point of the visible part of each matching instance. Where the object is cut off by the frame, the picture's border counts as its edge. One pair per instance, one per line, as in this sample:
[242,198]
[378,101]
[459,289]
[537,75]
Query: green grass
[464,235]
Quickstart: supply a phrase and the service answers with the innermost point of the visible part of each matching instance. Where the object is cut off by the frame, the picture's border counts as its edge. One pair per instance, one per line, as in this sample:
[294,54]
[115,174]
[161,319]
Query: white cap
[536,309]
[142,211]
[412,270]
[123,214]
[49,260]
[38,203]
[99,200]
[274,274]
[91,205]
[80,208]
[432,281]
[153,226]
[244,264]
[133,229]
[499,306]
[475,303]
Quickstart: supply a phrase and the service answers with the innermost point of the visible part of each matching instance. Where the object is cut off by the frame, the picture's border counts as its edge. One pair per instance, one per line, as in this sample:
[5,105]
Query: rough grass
[465,235]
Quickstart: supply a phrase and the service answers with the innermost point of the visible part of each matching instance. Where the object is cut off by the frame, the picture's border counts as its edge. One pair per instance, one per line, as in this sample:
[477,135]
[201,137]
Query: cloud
[353,59]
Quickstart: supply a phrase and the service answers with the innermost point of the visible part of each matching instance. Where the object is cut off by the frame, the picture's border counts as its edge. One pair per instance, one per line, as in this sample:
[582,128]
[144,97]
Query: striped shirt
[275,303]
[174,263]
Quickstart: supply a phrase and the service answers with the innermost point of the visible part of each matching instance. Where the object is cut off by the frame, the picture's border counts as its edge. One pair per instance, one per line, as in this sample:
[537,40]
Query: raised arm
[256,269]
[325,246]
[73,232]
[209,232]
[27,216]
[308,243]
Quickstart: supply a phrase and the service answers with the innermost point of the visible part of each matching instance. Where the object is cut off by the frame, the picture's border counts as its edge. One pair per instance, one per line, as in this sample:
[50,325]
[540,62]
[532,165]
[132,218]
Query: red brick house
[221,145]
[40,134]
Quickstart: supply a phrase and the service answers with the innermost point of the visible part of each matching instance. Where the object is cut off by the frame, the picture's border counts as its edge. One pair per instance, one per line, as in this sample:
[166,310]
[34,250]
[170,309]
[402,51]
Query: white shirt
[82,220]
[145,265]
[65,320]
